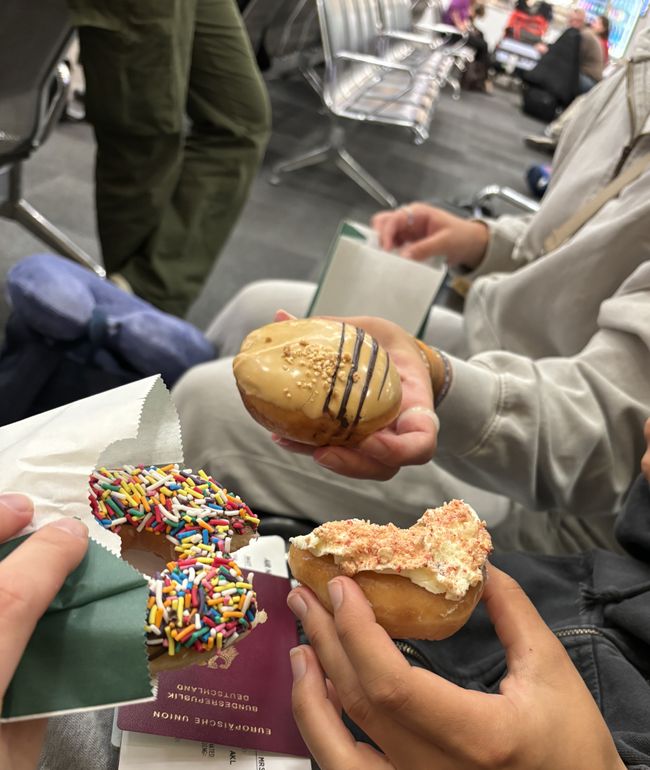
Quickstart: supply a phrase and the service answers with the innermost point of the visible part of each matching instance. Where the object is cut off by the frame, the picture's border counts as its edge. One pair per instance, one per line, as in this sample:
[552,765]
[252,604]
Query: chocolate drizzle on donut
[330,392]
[383,382]
[354,366]
[350,381]
[366,384]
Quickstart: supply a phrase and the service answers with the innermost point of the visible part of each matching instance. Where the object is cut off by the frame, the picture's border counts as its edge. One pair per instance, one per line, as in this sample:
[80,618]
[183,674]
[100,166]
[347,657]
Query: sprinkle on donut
[201,602]
[185,507]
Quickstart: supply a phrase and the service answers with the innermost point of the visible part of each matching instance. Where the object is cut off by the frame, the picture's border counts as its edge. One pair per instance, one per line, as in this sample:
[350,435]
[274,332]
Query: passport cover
[242,697]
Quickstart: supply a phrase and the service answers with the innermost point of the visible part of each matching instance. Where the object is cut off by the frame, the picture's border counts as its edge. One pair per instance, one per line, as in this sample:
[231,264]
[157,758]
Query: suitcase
[540,104]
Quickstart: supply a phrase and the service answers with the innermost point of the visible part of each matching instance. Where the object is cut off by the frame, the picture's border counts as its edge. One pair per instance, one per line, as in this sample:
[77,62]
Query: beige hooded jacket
[557,386]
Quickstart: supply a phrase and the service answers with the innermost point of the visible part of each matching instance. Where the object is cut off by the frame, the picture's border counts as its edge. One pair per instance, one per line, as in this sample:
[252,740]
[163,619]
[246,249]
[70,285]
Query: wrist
[440,371]
[479,236]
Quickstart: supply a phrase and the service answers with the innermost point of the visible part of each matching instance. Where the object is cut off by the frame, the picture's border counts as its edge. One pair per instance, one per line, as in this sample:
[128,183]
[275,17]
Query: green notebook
[359,278]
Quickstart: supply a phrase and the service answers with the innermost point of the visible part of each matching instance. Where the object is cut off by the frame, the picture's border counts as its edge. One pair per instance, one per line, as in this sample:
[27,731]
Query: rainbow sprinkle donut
[200,603]
[183,506]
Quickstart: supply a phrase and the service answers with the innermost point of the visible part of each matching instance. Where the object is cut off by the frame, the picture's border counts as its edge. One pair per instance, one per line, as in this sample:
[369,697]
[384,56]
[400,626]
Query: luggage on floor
[553,84]
[72,334]
[540,104]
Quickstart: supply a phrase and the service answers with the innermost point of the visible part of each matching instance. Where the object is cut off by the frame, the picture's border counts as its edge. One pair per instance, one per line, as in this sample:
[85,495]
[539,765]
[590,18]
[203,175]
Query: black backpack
[540,104]
[553,84]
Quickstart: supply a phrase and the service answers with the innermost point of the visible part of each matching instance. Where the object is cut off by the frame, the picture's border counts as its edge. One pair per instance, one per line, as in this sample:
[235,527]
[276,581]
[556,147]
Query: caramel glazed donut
[317,381]
[422,582]
[201,602]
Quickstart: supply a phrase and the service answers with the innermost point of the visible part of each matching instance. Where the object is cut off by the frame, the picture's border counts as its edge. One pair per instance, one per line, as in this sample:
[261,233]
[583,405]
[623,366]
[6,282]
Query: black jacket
[559,69]
[598,604]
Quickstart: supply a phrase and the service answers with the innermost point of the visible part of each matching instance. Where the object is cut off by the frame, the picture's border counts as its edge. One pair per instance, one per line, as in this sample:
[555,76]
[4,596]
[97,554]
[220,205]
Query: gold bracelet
[440,370]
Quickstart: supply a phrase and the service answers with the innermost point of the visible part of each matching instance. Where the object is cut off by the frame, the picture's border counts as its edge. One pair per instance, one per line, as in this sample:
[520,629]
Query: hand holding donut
[411,439]
[544,716]
[26,593]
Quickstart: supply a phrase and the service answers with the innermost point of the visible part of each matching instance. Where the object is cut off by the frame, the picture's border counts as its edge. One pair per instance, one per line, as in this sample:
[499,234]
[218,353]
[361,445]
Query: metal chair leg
[453,82]
[351,168]
[304,160]
[15,207]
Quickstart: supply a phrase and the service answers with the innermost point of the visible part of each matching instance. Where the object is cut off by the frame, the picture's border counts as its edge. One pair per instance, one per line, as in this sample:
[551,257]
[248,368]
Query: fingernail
[329,460]
[17,502]
[336,593]
[71,526]
[297,605]
[298,663]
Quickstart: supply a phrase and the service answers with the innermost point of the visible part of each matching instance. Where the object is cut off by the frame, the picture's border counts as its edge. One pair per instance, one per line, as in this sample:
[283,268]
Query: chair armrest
[507,194]
[447,34]
[376,60]
[440,29]
[53,102]
[410,37]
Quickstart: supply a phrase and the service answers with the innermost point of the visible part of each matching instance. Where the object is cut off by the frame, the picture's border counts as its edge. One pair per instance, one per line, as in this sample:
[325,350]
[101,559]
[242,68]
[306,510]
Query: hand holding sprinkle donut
[57,549]
[411,439]
[544,716]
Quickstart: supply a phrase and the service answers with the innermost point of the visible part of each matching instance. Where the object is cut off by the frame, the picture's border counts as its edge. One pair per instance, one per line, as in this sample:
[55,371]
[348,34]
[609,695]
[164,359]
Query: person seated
[591,59]
[476,75]
[549,700]
[550,363]
[600,27]
[457,13]
[548,141]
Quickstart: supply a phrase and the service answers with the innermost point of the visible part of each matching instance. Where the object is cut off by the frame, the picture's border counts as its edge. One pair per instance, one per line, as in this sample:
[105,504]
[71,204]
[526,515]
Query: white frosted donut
[422,582]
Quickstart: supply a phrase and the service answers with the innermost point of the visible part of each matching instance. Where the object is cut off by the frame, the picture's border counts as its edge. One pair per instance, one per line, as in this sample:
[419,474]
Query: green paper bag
[88,650]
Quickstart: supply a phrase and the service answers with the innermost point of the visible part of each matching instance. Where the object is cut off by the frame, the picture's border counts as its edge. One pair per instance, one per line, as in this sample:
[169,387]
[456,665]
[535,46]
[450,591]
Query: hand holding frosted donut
[544,717]
[30,578]
[411,439]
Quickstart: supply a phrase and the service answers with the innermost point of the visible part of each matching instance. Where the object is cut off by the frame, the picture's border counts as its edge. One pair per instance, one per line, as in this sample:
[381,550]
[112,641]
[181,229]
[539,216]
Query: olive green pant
[181,118]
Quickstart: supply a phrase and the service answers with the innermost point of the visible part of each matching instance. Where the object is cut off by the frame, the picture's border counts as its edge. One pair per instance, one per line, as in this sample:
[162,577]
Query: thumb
[433,246]
[520,628]
[282,315]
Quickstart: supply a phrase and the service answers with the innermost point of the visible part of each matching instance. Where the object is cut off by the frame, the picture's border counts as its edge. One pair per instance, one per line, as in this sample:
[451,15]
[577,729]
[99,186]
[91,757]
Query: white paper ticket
[152,752]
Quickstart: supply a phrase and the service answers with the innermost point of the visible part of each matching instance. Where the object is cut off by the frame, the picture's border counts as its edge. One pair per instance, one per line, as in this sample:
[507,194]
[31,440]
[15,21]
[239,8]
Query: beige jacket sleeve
[501,253]
[554,433]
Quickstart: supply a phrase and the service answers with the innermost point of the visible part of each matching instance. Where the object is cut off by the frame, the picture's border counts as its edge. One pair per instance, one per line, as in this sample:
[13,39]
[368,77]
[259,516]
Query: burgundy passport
[242,698]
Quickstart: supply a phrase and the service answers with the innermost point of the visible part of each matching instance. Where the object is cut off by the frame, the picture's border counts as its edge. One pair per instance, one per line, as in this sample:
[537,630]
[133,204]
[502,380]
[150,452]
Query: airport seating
[34,87]
[379,68]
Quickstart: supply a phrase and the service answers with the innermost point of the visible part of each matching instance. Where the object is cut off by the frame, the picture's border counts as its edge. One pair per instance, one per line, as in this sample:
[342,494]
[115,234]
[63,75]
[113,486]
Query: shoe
[540,142]
[117,279]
